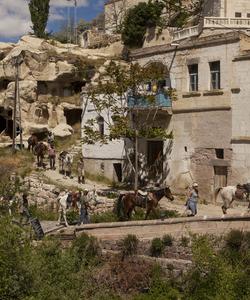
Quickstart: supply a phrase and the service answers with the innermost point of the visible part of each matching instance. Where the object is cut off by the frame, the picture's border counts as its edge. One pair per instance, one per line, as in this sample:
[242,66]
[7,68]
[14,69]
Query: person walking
[51,138]
[68,165]
[80,171]
[24,209]
[83,208]
[52,157]
[193,199]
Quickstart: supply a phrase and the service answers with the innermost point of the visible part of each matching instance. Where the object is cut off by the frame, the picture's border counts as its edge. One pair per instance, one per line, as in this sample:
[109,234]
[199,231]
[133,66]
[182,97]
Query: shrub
[86,248]
[104,217]
[129,245]
[72,217]
[157,247]
[234,239]
[184,241]
[167,240]
[43,214]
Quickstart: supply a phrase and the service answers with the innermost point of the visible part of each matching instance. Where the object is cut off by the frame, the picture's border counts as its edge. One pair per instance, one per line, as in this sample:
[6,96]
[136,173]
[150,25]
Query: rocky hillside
[51,78]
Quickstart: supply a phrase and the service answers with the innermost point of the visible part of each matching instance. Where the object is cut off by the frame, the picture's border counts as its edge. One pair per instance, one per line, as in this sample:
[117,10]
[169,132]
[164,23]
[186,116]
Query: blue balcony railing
[161,100]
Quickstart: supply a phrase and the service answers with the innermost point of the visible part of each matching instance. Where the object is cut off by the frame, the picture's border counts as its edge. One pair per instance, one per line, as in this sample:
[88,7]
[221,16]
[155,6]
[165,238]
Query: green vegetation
[46,270]
[39,12]
[129,245]
[157,247]
[138,19]
[167,240]
[177,13]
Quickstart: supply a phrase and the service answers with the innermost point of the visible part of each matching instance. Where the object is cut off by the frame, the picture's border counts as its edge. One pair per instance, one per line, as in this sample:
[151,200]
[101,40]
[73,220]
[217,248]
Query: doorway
[155,159]
[220,177]
[118,172]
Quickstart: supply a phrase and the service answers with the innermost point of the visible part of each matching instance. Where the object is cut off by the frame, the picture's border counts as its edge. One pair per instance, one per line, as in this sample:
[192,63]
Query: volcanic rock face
[51,75]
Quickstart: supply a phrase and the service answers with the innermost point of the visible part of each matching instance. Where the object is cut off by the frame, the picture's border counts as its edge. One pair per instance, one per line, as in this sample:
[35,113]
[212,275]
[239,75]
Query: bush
[72,217]
[234,239]
[129,245]
[104,217]
[157,247]
[167,240]
[184,241]
[43,214]
[86,248]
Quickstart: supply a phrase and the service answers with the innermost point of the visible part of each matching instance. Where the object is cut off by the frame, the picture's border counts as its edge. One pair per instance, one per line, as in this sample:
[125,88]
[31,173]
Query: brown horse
[40,150]
[32,142]
[126,203]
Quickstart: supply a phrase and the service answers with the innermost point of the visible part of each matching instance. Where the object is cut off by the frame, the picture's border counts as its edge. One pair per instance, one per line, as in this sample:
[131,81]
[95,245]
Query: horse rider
[24,208]
[83,208]
[52,156]
[193,196]
[80,171]
[51,138]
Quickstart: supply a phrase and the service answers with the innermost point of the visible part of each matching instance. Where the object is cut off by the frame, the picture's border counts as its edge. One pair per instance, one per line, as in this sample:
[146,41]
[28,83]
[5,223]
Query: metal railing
[160,100]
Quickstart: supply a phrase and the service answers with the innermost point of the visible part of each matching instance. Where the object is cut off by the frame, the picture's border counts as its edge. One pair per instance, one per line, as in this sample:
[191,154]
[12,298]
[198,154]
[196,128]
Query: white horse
[63,206]
[228,194]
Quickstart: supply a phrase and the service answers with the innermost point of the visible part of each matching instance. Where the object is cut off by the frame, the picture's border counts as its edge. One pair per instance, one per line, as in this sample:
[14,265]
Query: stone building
[208,66]
[105,160]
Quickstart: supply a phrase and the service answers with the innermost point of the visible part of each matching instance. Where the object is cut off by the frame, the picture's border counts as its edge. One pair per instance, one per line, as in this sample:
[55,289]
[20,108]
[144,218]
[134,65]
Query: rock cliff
[51,77]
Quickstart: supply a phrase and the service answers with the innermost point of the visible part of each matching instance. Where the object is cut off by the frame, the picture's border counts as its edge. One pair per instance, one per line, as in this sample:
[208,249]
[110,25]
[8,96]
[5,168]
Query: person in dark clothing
[52,157]
[83,208]
[24,209]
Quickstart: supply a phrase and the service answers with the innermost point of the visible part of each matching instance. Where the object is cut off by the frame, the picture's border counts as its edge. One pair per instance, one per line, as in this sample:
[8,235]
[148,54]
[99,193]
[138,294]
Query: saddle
[141,193]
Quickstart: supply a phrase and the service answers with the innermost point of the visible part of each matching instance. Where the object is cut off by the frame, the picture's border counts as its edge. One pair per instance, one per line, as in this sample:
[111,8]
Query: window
[215,75]
[248,15]
[237,15]
[219,153]
[100,122]
[193,77]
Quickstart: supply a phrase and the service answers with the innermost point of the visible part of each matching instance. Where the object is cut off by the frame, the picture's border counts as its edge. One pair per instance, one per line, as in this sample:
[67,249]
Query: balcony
[185,33]
[215,22]
[161,101]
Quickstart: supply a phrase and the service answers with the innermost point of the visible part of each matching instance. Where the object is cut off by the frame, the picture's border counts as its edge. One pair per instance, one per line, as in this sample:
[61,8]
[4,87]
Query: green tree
[138,19]
[117,86]
[39,12]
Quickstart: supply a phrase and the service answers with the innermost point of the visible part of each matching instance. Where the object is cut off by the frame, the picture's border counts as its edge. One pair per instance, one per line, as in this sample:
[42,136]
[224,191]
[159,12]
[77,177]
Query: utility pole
[17,121]
[136,160]
[75,22]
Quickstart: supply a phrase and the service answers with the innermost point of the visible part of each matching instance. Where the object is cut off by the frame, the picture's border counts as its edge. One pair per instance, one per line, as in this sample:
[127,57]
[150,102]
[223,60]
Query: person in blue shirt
[193,199]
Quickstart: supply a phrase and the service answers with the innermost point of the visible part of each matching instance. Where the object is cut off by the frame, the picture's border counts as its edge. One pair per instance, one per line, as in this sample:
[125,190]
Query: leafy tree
[158,13]
[138,19]
[39,12]
[117,85]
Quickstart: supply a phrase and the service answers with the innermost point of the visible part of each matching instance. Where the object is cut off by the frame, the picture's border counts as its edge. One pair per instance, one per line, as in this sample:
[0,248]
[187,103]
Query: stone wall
[45,196]
[204,121]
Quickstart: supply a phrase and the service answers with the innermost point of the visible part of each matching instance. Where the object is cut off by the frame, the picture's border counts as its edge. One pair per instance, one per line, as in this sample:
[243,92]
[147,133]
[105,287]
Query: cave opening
[73,116]
[6,126]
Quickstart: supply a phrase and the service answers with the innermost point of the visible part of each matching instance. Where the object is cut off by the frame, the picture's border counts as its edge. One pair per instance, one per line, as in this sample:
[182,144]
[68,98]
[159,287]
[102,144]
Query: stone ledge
[200,109]
[213,93]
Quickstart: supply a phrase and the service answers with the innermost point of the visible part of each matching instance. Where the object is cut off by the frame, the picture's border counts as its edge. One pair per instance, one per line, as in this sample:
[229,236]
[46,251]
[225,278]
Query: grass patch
[104,217]
[43,214]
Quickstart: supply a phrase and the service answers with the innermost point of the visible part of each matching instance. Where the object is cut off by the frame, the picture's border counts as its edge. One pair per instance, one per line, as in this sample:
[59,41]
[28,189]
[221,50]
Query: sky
[15,17]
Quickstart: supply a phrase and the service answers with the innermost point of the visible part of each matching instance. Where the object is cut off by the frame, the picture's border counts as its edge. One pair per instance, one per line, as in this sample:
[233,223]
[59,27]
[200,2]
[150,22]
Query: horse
[228,194]
[40,150]
[126,203]
[66,202]
[32,142]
